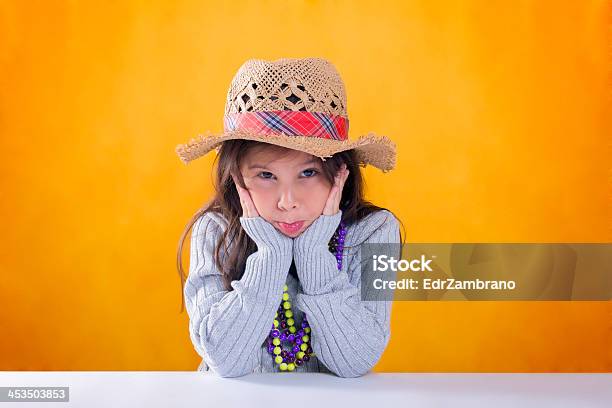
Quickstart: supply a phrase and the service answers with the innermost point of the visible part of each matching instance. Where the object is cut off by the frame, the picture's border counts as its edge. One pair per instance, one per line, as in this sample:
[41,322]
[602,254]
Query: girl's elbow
[230,369]
[230,373]
[352,373]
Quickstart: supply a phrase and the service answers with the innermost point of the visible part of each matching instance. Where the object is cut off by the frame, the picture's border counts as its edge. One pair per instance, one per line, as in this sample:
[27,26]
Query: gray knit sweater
[229,329]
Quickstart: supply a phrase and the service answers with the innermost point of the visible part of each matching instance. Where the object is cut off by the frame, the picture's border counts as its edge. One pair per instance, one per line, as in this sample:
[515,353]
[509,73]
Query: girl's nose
[287,201]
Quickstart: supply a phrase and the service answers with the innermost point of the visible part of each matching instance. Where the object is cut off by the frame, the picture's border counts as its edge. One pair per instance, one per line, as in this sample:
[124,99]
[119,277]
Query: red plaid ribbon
[294,123]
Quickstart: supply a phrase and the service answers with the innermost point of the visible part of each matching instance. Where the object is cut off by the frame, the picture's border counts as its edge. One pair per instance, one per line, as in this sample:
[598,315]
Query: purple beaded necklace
[299,350]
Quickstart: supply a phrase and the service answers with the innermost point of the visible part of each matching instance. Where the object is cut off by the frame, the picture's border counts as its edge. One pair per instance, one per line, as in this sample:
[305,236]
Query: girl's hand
[248,207]
[332,206]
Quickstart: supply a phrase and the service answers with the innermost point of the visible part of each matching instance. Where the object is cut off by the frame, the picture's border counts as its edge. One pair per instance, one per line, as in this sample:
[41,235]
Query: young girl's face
[286,190]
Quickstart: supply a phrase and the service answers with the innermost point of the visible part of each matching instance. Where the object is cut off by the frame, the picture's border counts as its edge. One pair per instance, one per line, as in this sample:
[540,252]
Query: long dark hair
[226,202]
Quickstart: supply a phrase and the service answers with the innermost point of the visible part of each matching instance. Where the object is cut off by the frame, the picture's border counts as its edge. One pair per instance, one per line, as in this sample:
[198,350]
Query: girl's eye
[314,172]
[265,172]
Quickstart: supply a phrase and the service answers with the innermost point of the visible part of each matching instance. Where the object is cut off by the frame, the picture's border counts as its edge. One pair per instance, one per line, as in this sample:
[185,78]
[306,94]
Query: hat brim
[378,151]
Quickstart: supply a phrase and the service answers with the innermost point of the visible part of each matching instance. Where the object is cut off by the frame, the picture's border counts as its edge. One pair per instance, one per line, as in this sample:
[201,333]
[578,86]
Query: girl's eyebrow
[261,166]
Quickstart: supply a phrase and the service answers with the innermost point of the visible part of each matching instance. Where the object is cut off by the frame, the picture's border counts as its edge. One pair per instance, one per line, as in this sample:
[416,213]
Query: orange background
[498,110]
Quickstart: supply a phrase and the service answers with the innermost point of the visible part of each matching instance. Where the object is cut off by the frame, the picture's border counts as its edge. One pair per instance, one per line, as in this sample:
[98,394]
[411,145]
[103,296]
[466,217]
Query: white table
[90,389]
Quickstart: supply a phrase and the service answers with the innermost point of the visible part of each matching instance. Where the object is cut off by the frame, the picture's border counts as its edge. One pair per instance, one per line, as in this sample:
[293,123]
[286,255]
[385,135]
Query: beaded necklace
[299,351]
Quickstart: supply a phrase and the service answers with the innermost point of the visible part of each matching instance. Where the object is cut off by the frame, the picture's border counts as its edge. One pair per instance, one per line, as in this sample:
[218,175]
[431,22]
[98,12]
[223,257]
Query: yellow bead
[288,313]
[277,350]
[300,354]
[278,359]
[287,305]
[307,330]
[285,296]
[283,366]
[276,314]
[305,338]
[285,288]
[290,366]
[303,346]
[290,322]
[276,341]
[275,322]
[292,329]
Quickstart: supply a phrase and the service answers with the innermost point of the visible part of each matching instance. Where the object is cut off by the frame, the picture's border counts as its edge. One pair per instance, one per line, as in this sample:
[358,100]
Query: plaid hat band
[288,122]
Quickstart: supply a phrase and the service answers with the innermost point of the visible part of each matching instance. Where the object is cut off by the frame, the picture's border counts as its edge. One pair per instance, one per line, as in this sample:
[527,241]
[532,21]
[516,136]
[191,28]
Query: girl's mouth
[291,228]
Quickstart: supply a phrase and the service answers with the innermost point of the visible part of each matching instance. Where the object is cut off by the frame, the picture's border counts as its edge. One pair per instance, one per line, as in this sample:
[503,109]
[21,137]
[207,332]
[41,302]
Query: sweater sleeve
[349,335]
[227,328]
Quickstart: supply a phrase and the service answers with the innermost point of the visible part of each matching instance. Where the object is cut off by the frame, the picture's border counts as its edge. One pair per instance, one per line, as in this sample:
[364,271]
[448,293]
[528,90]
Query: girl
[275,269]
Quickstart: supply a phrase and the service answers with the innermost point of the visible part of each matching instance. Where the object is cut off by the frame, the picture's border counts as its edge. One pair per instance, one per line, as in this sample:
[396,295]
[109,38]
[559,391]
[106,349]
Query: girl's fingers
[342,179]
[339,196]
[248,206]
[334,208]
[329,204]
[242,203]
[337,190]
[335,194]
[244,200]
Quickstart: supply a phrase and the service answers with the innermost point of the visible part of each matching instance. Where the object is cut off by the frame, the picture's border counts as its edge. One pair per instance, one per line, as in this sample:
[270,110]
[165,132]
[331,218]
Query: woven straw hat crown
[299,103]
[311,84]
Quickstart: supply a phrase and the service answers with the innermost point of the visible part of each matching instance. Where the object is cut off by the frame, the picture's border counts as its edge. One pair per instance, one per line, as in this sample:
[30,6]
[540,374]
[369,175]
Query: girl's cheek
[317,197]
[263,182]
[321,187]
[262,194]
[258,185]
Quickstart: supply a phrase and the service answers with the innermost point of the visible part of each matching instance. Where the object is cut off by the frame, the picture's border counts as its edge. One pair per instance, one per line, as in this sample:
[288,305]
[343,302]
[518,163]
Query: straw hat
[299,103]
